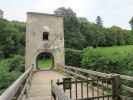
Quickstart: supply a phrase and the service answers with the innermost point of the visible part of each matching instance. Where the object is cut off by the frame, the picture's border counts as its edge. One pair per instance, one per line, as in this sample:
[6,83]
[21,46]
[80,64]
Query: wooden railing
[89,89]
[89,74]
[57,92]
[125,87]
[19,88]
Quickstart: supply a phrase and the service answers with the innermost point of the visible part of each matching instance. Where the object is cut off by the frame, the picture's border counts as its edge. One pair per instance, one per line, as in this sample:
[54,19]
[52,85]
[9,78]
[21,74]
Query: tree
[119,35]
[11,38]
[10,70]
[62,11]
[83,20]
[72,35]
[12,43]
[131,23]
[99,21]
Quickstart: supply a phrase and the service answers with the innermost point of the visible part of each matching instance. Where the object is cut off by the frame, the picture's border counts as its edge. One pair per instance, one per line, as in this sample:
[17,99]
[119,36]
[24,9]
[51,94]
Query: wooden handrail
[125,77]
[127,88]
[100,74]
[77,75]
[12,90]
[90,72]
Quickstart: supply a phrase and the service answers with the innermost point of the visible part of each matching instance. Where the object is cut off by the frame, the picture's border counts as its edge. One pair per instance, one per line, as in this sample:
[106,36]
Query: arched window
[45,35]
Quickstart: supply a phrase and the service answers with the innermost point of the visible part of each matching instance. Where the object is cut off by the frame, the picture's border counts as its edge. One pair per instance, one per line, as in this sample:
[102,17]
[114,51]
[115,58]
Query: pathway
[41,85]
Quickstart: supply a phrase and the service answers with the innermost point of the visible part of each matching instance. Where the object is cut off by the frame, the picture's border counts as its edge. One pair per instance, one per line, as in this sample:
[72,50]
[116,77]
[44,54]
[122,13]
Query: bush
[73,57]
[109,60]
[10,70]
[16,63]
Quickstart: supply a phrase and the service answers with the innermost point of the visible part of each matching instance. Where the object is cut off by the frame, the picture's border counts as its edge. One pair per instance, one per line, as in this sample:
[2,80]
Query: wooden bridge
[70,84]
[45,34]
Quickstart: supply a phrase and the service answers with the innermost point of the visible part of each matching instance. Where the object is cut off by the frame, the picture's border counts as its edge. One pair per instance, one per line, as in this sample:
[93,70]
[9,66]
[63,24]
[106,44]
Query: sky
[112,12]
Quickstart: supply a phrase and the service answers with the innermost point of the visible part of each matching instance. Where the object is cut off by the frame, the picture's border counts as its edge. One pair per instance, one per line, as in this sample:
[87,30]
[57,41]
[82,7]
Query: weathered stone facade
[1,13]
[44,33]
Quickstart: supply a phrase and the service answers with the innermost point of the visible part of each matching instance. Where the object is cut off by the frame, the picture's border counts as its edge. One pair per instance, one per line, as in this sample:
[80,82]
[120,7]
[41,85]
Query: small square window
[45,35]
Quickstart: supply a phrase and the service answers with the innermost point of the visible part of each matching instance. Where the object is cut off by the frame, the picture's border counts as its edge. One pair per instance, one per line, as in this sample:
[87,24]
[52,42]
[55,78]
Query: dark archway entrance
[45,61]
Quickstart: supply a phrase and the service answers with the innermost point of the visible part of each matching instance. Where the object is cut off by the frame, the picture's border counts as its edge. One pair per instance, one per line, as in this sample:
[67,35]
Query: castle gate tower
[44,34]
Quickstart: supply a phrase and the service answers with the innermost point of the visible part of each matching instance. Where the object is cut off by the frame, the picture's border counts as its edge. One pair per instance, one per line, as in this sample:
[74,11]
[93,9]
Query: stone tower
[44,33]
[1,13]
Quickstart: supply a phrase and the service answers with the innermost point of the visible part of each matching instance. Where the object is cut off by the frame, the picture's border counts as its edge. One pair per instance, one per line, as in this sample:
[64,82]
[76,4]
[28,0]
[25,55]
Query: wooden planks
[41,85]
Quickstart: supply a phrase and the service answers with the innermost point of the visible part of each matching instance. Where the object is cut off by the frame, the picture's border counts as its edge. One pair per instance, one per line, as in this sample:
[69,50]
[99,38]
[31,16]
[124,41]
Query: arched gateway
[44,33]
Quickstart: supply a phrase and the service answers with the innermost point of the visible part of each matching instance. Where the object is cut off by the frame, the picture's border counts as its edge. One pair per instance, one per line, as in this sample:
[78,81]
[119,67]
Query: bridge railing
[127,89]
[78,89]
[57,92]
[85,74]
[18,89]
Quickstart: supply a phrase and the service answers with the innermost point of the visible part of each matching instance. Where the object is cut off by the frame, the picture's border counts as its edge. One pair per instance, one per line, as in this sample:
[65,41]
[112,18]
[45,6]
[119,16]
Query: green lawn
[45,64]
[112,52]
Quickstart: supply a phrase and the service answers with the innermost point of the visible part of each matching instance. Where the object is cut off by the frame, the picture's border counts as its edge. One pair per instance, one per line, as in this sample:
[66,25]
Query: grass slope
[45,64]
[117,59]
[111,51]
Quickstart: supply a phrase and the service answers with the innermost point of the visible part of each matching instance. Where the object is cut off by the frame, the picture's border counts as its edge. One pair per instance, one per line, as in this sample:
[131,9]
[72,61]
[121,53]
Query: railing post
[53,96]
[116,86]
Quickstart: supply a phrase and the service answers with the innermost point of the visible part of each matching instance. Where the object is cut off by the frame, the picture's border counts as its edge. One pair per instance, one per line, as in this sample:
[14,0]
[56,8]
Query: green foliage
[14,62]
[72,34]
[45,64]
[111,60]
[11,38]
[99,21]
[79,33]
[10,70]
[129,37]
[73,57]
[98,36]
[62,11]
[94,36]
[131,23]
[12,43]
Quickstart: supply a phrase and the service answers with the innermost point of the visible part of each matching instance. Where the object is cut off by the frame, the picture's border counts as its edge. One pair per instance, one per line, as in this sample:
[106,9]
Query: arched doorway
[45,61]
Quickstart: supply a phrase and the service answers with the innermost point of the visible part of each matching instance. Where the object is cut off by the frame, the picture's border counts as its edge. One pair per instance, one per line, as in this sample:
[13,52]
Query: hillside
[117,59]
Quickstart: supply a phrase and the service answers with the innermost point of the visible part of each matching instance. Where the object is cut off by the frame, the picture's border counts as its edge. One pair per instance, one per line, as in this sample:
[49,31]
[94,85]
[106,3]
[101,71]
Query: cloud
[116,12]
[47,6]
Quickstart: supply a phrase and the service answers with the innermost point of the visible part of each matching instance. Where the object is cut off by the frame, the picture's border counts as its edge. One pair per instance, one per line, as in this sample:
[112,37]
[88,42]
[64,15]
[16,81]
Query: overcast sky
[113,12]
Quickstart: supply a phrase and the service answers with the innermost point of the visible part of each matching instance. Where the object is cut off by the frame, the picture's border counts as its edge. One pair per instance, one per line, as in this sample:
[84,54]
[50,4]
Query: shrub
[10,70]
[73,57]
[111,59]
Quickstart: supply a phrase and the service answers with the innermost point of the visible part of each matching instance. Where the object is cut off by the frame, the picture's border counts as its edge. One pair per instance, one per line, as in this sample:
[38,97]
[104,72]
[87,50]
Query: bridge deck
[41,86]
